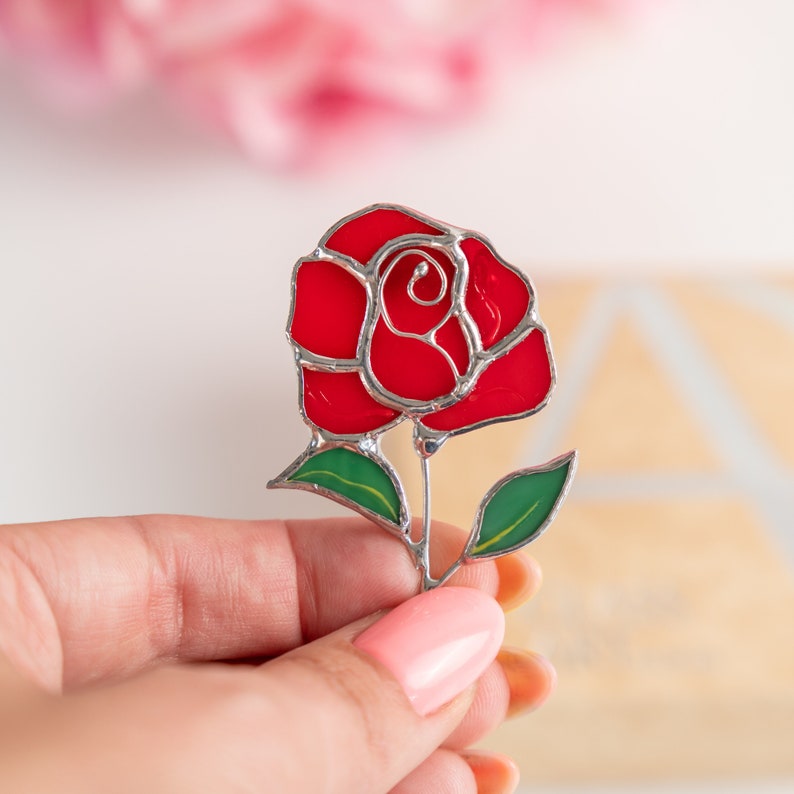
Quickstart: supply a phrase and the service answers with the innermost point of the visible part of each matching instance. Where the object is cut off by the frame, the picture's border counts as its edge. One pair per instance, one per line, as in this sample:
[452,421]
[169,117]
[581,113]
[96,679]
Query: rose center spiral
[414,291]
[420,273]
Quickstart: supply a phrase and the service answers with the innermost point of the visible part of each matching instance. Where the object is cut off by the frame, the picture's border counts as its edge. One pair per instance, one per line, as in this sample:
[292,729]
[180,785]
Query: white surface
[144,269]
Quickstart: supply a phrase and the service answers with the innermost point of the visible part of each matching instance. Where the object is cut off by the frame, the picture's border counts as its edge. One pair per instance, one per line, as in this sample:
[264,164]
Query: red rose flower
[396,316]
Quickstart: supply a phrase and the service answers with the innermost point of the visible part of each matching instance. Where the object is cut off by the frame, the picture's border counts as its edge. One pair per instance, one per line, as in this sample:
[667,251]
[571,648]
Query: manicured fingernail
[494,773]
[531,678]
[437,643]
[519,579]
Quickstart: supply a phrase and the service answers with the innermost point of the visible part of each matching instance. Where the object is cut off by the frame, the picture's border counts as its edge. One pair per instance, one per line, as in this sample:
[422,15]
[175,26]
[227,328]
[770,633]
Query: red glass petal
[450,337]
[511,386]
[409,368]
[339,402]
[406,312]
[330,305]
[363,235]
[497,297]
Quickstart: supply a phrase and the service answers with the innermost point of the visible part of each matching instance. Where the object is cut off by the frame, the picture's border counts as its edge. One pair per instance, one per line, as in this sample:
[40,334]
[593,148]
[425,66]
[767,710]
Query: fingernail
[494,773]
[519,579]
[531,678]
[437,643]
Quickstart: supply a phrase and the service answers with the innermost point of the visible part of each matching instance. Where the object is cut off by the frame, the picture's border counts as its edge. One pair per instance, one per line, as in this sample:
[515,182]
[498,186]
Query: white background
[144,268]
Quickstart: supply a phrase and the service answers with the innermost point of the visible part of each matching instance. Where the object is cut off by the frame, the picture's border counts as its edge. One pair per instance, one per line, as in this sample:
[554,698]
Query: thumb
[358,711]
[355,711]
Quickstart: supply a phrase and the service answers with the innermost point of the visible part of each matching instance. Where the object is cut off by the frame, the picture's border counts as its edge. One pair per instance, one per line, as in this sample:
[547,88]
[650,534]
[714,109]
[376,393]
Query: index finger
[108,597]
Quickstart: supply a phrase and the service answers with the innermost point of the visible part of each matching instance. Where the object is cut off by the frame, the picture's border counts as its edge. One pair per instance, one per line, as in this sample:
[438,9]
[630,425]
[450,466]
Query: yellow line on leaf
[352,484]
[496,538]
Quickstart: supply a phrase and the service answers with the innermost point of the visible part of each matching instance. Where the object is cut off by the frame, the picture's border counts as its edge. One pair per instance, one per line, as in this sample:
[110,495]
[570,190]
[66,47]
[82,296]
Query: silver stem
[428,583]
[425,449]
[421,548]
[448,573]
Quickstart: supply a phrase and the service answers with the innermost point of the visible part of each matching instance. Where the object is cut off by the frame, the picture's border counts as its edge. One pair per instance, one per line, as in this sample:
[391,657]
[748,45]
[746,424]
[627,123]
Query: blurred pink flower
[285,78]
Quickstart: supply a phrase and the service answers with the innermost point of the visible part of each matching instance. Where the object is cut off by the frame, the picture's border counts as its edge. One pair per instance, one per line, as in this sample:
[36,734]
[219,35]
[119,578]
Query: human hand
[112,630]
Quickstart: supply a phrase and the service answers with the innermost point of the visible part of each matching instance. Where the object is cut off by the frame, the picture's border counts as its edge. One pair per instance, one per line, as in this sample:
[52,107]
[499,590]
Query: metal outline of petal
[429,433]
[463,383]
[418,216]
[530,319]
[303,354]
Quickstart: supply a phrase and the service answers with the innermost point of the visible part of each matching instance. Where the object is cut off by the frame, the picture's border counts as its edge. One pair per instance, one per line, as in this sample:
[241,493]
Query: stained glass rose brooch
[396,316]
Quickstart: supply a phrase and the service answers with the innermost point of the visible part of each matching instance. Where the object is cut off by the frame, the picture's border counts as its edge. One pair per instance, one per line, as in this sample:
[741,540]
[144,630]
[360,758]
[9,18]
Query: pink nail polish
[437,643]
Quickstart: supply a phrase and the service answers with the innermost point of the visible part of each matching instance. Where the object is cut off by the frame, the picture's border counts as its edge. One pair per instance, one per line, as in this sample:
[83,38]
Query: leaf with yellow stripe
[520,507]
[352,478]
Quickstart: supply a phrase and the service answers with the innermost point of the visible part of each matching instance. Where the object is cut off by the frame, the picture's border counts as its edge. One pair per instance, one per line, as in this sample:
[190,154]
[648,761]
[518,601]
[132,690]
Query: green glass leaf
[520,507]
[352,478]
